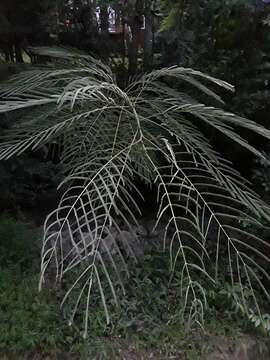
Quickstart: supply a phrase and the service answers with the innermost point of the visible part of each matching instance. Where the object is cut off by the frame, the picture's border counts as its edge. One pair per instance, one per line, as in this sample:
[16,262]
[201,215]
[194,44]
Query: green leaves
[108,138]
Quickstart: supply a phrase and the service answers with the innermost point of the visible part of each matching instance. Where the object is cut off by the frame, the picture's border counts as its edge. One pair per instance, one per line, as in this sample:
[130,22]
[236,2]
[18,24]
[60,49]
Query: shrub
[152,131]
[19,242]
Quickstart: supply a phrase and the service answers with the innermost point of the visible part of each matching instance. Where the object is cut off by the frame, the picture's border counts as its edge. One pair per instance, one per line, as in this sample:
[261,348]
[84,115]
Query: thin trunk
[18,50]
[104,28]
[133,47]
[123,43]
[148,43]
[104,20]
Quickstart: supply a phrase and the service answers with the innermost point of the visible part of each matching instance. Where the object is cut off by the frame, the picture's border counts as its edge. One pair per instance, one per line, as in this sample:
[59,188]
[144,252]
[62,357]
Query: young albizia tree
[110,136]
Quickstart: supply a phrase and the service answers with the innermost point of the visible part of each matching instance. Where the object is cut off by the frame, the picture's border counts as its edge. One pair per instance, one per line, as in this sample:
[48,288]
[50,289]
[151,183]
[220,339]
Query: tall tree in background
[213,37]
[139,13]
[22,23]
[5,44]
[200,29]
[88,23]
[148,35]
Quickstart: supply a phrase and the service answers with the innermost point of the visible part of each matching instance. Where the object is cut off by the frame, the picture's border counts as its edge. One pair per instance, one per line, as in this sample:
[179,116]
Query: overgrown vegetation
[204,267]
[148,322]
[212,37]
[29,320]
[107,138]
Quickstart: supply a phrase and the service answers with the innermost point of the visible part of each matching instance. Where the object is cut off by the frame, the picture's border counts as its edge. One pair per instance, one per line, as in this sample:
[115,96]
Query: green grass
[149,321]
[30,321]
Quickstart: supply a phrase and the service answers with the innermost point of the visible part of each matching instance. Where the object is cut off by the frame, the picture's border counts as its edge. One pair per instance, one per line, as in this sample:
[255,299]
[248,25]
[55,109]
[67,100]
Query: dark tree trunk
[18,54]
[104,20]
[18,49]
[148,43]
[133,47]
[104,27]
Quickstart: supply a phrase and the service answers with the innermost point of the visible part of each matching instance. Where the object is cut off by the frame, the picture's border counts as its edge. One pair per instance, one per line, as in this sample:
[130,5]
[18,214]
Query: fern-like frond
[210,207]
[151,131]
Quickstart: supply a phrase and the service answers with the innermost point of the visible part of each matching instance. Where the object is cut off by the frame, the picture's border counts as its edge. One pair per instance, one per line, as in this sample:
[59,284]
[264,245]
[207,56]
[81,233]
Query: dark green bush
[19,243]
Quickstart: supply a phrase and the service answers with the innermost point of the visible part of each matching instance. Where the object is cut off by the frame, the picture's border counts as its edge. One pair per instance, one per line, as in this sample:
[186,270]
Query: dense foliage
[124,146]
[214,38]
[148,325]
[107,139]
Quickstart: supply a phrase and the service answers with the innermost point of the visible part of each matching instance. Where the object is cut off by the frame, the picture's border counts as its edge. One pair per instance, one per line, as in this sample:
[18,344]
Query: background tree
[24,23]
[212,36]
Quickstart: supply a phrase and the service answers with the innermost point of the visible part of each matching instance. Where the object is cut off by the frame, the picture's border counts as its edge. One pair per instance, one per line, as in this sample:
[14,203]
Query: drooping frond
[109,137]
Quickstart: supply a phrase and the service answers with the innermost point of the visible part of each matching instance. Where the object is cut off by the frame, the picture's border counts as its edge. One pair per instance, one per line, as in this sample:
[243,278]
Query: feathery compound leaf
[110,137]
